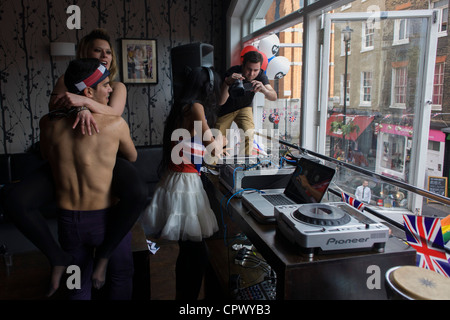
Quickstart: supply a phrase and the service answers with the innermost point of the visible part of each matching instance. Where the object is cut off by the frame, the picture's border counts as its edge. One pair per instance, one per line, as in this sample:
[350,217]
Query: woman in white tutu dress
[180,209]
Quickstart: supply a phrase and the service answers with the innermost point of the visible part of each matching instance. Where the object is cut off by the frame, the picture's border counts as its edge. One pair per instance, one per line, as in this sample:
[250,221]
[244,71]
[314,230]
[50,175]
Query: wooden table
[355,275]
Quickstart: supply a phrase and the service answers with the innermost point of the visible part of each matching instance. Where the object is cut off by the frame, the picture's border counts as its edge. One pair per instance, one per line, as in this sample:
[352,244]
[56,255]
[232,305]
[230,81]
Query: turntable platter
[321,215]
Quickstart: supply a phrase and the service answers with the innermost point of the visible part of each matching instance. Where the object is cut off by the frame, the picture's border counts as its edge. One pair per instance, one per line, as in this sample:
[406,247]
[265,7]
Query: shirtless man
[82,168]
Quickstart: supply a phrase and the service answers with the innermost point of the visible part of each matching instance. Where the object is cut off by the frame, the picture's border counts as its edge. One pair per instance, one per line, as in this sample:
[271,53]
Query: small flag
[424,234]
[445,224]
[258,148]
[352,201]
[152,247]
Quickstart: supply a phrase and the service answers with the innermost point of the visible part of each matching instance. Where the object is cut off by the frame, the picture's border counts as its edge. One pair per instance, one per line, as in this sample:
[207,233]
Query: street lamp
[347,35]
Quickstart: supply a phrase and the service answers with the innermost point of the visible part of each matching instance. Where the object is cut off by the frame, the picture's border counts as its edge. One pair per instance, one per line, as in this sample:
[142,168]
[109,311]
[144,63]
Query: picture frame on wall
[139,61]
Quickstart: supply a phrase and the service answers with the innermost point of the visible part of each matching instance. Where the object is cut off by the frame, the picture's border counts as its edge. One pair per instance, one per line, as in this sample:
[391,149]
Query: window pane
[373,126]
[283,114]
[400,85]
[367,87]
[376,135]
[282,8]
[438,89]
[444,20]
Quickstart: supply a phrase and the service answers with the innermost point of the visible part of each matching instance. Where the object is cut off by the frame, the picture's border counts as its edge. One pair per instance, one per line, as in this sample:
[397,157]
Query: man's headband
[98,76]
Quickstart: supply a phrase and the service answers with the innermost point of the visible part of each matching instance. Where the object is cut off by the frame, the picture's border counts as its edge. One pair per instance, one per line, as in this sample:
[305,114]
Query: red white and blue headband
[95,78]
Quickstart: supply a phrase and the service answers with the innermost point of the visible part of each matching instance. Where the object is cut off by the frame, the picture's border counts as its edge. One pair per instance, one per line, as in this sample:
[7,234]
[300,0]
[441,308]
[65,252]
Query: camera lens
[237,89]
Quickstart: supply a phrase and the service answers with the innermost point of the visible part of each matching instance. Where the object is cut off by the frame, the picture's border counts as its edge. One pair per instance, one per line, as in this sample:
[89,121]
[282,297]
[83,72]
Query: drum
[414,283]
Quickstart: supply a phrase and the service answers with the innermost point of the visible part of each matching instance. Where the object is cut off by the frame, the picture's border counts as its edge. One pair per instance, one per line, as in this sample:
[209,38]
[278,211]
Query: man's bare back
[82,165]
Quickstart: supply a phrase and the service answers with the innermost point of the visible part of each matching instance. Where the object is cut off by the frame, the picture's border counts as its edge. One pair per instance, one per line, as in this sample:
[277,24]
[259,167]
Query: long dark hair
[196,88]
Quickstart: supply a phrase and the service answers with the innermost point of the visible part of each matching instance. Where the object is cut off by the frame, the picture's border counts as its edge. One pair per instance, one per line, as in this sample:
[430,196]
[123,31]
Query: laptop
[307,184]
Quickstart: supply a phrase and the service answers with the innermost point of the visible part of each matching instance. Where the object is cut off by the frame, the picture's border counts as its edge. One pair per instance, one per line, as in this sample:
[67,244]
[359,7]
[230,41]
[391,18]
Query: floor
[162,270]
[28,276]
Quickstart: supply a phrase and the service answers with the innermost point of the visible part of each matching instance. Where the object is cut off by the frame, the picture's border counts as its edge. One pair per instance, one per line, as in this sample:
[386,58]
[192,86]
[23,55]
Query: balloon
[278,68]
[269,45]
[253,48]
[265,61]
[247,49]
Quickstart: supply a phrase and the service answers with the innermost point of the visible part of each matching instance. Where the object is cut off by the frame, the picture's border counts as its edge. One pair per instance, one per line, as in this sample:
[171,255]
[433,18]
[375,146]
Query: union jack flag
[258,149]
[424,234]
[352,201]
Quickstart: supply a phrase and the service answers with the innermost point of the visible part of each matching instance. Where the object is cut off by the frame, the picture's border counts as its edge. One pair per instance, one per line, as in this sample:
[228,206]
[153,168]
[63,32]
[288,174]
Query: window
[366,88]
[442,6]
[385,63]
[393,153]
[399,83]
[367,36]
[346,7]
[434,145]
[438,86]
[400,32]
[386,67]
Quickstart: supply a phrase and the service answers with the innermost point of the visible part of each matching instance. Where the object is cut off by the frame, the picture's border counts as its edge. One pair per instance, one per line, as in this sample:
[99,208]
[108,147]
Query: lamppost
[347,35]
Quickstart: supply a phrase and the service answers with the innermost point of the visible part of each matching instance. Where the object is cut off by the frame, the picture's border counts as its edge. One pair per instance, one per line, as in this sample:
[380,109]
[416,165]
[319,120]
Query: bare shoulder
[117,85]
[198,112]
[113,122]
[46,122]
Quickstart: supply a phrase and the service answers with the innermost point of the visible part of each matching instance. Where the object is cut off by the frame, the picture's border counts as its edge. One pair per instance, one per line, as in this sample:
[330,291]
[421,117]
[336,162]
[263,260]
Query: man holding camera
[238,90]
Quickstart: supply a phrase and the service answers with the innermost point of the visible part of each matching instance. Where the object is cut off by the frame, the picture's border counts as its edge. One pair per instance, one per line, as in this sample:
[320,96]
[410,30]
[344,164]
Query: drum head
[420,284]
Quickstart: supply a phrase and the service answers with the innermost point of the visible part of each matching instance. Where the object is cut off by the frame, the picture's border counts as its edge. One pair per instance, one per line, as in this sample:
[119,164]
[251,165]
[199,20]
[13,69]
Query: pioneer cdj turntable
[332,227]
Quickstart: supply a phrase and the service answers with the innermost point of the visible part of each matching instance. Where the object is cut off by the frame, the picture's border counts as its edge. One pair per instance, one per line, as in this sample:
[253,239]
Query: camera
[238,88]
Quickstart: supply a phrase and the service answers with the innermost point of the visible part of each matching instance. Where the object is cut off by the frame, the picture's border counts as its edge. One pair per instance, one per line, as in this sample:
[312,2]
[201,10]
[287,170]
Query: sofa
[15,167]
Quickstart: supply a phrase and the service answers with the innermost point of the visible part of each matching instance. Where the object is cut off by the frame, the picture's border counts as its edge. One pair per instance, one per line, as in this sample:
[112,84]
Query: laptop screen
[309,182]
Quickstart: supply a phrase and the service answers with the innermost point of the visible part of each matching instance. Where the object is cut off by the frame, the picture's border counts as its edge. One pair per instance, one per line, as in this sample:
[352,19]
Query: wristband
[79,109]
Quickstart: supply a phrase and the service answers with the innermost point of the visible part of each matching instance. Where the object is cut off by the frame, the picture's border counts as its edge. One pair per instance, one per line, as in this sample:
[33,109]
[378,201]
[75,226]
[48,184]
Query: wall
[28,72]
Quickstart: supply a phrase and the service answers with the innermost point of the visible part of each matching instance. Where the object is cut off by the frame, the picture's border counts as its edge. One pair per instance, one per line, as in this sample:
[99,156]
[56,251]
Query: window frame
[441,11]
[440,85]
[397,40]
[364,36]
[395,87]
[362,101]
[314,108]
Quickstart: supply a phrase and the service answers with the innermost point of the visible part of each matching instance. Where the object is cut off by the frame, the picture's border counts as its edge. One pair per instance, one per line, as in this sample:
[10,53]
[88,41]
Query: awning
[361,121]
[434,135]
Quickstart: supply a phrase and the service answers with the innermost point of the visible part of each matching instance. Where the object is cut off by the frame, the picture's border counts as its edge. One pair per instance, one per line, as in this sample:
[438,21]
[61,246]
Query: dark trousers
[80,233]
[190,269]
[23,200]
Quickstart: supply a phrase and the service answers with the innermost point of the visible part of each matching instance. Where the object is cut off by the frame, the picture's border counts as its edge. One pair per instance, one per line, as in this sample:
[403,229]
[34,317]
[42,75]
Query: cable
[287,160]
[225,195]
[243,190]
[240,191]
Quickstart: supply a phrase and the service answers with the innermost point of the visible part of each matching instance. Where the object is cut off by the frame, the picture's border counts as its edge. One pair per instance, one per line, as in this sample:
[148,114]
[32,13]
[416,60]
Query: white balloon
[278,67]
[269,45]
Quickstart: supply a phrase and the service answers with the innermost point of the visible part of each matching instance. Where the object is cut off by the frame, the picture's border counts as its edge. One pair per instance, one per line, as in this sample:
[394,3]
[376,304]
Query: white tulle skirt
[180,209]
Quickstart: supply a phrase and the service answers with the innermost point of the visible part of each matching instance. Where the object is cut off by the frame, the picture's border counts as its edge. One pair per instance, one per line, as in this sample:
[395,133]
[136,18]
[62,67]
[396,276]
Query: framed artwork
[139,61]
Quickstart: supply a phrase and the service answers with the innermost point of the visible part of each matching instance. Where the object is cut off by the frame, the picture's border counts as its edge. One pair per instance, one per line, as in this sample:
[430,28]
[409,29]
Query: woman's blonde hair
[86,42]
